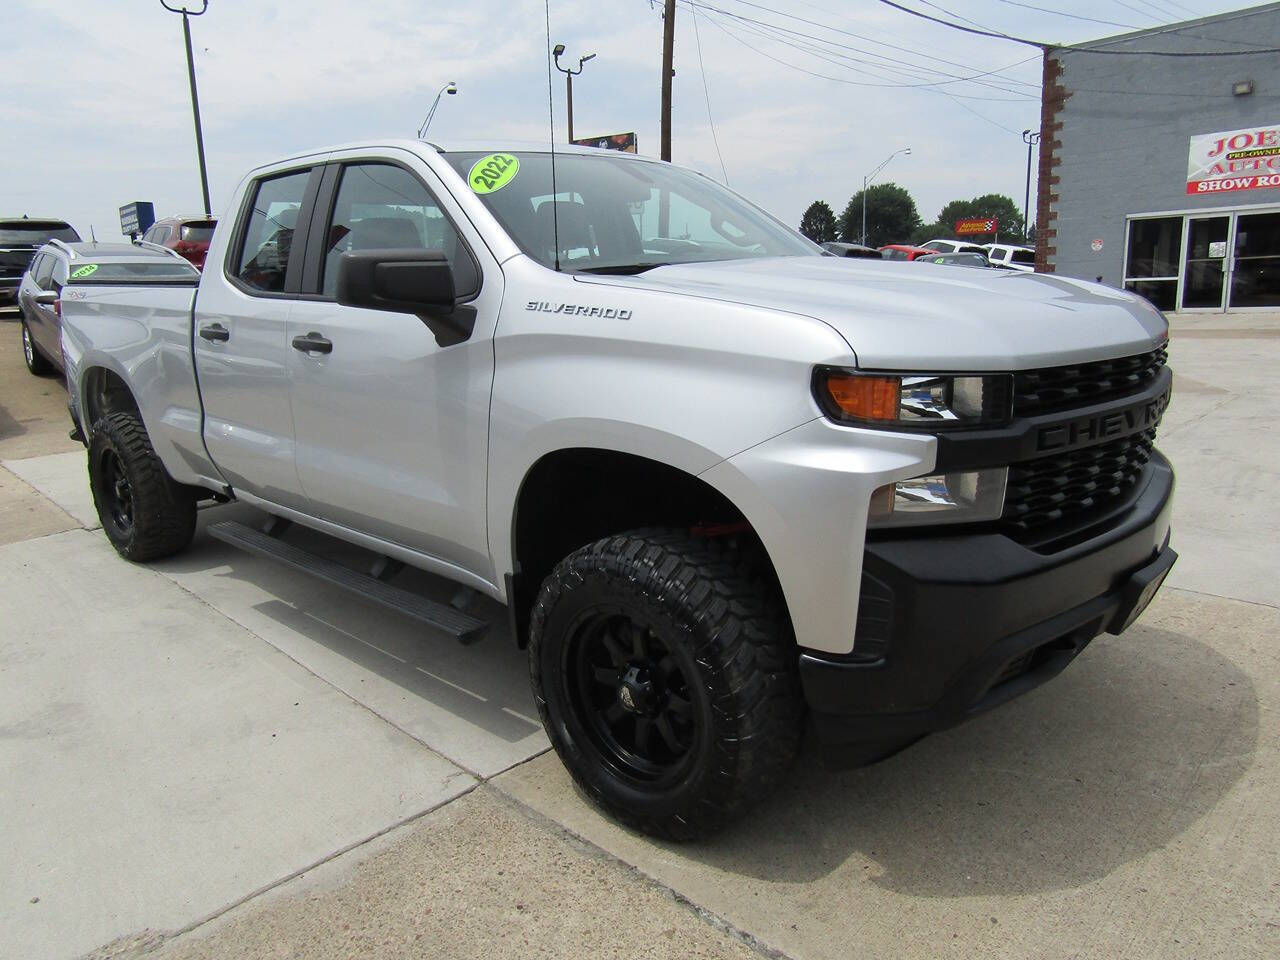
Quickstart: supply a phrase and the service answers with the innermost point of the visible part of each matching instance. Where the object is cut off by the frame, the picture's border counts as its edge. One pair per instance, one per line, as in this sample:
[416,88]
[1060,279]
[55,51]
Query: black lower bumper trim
[980,619]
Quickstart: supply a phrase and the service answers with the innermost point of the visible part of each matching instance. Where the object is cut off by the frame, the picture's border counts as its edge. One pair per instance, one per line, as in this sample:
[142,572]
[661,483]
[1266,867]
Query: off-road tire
[159,518]
[705,608]
[36,361]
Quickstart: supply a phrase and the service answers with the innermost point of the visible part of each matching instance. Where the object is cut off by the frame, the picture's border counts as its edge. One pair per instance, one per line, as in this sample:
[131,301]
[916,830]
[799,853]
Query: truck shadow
[1114,759]
[345,639]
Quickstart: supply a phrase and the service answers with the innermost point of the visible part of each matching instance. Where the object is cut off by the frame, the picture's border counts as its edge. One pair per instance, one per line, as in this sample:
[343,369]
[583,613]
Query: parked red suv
[189,236]
[903,251]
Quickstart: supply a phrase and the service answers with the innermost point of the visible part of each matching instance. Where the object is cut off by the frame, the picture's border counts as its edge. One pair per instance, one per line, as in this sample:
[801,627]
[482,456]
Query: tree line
[892,217]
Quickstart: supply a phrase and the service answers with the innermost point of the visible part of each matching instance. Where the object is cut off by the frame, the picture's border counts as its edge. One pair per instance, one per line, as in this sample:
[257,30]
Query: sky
[97,110]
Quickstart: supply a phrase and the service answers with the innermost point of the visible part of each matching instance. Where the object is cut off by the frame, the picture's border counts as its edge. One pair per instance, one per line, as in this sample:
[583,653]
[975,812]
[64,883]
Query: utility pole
[195,99]
[569,74]
[1030,139]
[668,49]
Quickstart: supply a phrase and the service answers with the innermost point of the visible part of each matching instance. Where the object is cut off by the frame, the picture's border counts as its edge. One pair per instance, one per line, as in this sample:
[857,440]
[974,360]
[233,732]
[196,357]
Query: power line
[1069,16]
[707,93]
[1129,6]
[1078,49]
[857,36]
[793,66]
[826,55]
[900,67]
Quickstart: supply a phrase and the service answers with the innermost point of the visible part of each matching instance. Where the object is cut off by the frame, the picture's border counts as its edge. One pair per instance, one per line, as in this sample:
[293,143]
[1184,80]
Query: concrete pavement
[1125,809]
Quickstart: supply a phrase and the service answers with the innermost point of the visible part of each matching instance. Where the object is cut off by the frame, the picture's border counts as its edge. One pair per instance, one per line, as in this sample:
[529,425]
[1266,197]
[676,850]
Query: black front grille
[1078,385]
[1047,490]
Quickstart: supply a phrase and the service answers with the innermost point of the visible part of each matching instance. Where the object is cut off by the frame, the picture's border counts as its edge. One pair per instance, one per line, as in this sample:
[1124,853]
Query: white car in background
[1015,258]
[954,246]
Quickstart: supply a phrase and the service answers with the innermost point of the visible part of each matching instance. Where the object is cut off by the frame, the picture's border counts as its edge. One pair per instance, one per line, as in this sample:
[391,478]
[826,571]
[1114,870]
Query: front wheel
[37,363]
[666,678]
[145,514]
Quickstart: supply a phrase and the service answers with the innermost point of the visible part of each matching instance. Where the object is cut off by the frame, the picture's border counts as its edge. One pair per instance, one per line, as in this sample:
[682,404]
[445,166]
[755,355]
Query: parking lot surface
[214,756]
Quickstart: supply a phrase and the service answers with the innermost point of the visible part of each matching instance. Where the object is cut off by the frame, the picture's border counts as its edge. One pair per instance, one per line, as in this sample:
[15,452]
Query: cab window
[384,207]
[266,242]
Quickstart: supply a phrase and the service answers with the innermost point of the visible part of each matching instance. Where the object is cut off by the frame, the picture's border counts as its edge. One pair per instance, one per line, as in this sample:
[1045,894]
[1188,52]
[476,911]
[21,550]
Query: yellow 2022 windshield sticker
[492,173]
[87,270]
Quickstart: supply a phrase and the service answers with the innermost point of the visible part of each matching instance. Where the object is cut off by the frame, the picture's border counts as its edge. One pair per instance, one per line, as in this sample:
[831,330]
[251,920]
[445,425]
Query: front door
[240,347]
[392,428]
[1204,281]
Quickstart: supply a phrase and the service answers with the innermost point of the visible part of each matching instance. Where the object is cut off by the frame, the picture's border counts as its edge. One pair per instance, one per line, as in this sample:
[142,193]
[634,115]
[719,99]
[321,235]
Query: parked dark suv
[189,236]
[20,238]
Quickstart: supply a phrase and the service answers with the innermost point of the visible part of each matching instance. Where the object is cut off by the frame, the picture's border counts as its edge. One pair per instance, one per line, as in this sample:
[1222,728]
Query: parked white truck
[728,487]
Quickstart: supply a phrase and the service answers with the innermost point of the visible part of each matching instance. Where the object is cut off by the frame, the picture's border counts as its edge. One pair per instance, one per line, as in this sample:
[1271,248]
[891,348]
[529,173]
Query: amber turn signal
[864,398]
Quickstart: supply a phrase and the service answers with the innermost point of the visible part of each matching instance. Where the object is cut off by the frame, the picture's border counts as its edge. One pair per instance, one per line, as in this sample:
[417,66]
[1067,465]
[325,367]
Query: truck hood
[905,316]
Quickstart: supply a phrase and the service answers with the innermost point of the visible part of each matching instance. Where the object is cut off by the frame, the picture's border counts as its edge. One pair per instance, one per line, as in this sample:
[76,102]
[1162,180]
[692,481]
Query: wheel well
[105,392]
[572,497]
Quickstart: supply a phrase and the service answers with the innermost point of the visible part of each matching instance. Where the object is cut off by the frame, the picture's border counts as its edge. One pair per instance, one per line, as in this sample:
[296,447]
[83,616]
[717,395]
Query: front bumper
[971,621]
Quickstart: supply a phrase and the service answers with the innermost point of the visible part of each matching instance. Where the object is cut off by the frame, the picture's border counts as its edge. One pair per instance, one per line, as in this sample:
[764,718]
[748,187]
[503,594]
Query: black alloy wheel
[118,492]
[632,695]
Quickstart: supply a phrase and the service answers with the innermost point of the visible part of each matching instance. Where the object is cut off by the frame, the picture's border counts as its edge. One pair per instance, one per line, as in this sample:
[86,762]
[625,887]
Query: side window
[59,275]
[267,237]
[384,207]
[34,267]
[43,273]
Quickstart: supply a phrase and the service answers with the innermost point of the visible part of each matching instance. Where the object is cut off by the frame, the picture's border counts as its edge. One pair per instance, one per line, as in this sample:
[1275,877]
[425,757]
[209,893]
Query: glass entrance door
[1205,262]
[1255,275]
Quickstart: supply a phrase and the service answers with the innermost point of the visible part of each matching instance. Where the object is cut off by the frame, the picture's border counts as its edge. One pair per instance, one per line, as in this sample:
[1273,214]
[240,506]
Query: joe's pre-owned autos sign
[1234,160]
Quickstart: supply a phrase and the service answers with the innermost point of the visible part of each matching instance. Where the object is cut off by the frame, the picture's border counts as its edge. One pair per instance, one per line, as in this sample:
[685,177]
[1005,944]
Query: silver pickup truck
[728,487]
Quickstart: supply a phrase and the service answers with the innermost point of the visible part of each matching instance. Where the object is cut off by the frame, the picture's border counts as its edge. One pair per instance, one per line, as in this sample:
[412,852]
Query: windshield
[614,215]
[35,234]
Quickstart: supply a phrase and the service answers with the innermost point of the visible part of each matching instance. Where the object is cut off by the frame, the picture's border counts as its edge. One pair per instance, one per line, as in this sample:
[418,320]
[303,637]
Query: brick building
[1161,173]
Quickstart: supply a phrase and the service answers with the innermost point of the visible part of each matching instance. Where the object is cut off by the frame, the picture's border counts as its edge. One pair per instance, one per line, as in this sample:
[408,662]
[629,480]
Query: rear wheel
[666,679]
[145,514]
[37,363]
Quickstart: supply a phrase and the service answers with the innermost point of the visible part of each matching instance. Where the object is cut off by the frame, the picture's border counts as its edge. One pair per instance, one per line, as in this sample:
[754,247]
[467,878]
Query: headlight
[961,497]
[904,402]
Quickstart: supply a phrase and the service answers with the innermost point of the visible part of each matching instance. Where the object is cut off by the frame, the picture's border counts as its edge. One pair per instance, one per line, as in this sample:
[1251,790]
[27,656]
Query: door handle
[313,343]
[215,331]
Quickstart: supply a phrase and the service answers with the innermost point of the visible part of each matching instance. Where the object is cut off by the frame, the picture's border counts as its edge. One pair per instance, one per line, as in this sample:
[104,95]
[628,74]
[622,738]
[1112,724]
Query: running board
[443,617]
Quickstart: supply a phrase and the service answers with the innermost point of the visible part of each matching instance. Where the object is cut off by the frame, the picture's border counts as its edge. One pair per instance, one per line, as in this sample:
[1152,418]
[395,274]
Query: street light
[451,89]
[867,179]
[195,100]
[1030,139]
[557,51]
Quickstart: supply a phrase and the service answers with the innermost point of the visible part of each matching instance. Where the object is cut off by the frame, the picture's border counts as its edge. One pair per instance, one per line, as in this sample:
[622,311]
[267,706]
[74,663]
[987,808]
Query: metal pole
[863,241]
[195,111]
[568,86]
[1030,139]
[668,50]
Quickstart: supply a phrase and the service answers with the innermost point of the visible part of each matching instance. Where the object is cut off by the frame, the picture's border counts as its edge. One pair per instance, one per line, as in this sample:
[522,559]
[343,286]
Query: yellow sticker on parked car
[492,173]
[87,270]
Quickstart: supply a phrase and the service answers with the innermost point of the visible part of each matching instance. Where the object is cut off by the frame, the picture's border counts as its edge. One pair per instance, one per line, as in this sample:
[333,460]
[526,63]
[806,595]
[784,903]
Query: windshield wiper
[625,269]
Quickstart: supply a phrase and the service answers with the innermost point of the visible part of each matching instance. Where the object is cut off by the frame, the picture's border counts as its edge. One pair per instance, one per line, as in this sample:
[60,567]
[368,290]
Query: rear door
[42,318]
[241,352]
[392,428]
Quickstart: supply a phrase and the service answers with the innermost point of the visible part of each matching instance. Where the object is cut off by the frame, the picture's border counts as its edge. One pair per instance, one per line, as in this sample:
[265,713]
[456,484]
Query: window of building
[1152,259]
[1255,278]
